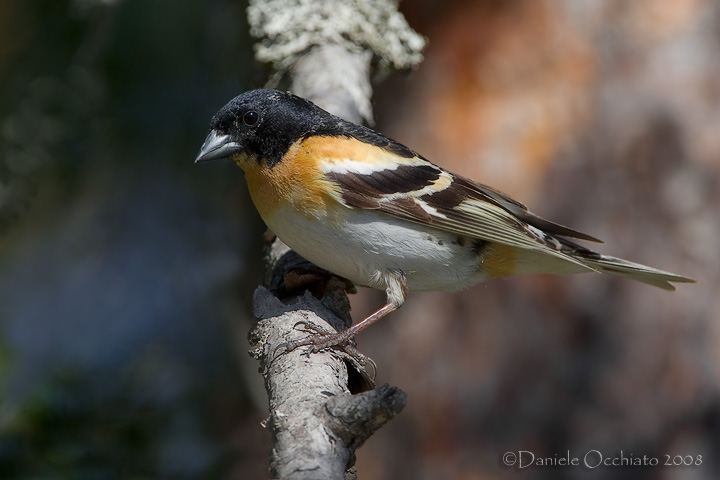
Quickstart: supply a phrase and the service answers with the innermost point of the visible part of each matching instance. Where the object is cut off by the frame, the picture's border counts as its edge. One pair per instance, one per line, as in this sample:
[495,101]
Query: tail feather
[580,259]
[634,271]
[568,257]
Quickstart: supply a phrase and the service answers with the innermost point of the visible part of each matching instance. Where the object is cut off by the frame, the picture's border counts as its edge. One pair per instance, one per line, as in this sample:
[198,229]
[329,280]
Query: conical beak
[217,146]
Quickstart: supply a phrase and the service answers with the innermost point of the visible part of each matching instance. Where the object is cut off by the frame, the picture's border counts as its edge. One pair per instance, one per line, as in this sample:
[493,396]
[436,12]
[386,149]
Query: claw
[362,360]
[322,339]
[275,352]
[311,328]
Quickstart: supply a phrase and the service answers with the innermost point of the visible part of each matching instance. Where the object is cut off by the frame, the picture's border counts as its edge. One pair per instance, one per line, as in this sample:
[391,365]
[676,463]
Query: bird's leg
[321,339]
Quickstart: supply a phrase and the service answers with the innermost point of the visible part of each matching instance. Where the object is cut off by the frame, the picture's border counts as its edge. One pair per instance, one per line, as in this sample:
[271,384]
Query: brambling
[371,210]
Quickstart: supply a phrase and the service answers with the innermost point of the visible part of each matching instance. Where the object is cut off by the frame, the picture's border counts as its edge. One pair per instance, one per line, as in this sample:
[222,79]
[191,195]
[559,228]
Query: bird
[371,210]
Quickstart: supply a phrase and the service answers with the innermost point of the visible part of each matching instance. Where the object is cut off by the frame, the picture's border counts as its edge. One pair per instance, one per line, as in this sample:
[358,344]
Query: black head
[263,123]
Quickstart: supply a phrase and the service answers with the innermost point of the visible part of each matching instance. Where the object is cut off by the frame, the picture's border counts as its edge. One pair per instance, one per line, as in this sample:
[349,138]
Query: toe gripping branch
[292,277]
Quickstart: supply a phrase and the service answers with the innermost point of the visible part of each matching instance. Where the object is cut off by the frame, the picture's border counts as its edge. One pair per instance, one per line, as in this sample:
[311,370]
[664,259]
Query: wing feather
[451,203]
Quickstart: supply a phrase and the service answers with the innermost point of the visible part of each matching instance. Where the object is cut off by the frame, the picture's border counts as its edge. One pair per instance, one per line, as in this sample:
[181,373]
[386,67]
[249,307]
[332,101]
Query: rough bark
[322,405]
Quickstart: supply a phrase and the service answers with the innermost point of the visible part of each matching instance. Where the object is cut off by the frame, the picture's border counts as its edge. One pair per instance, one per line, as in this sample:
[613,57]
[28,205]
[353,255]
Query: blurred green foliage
[119,266]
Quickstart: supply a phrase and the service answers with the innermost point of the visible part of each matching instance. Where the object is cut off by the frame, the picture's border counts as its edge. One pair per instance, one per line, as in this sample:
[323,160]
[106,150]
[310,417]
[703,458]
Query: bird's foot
[323,339]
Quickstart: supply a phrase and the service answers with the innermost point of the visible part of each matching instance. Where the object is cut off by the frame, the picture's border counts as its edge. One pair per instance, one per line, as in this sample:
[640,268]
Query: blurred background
[126,271]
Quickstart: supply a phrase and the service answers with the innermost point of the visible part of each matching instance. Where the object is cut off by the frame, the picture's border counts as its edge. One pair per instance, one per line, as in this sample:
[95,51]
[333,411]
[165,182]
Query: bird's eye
[251,118]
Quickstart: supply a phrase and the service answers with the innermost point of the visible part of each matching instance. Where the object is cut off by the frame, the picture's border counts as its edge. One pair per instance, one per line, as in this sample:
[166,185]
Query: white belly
[361,251]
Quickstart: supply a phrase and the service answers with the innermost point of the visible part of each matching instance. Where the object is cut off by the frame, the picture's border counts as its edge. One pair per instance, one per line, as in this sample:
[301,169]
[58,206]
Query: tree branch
[318,417]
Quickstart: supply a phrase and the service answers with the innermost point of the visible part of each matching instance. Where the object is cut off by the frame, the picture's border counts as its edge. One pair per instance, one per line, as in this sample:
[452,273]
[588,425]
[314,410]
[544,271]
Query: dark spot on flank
[440,242]
[461,241]
[478,246]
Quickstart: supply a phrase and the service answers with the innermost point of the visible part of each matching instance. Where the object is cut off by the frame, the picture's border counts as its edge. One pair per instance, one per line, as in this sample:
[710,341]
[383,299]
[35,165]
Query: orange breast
[296,181]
